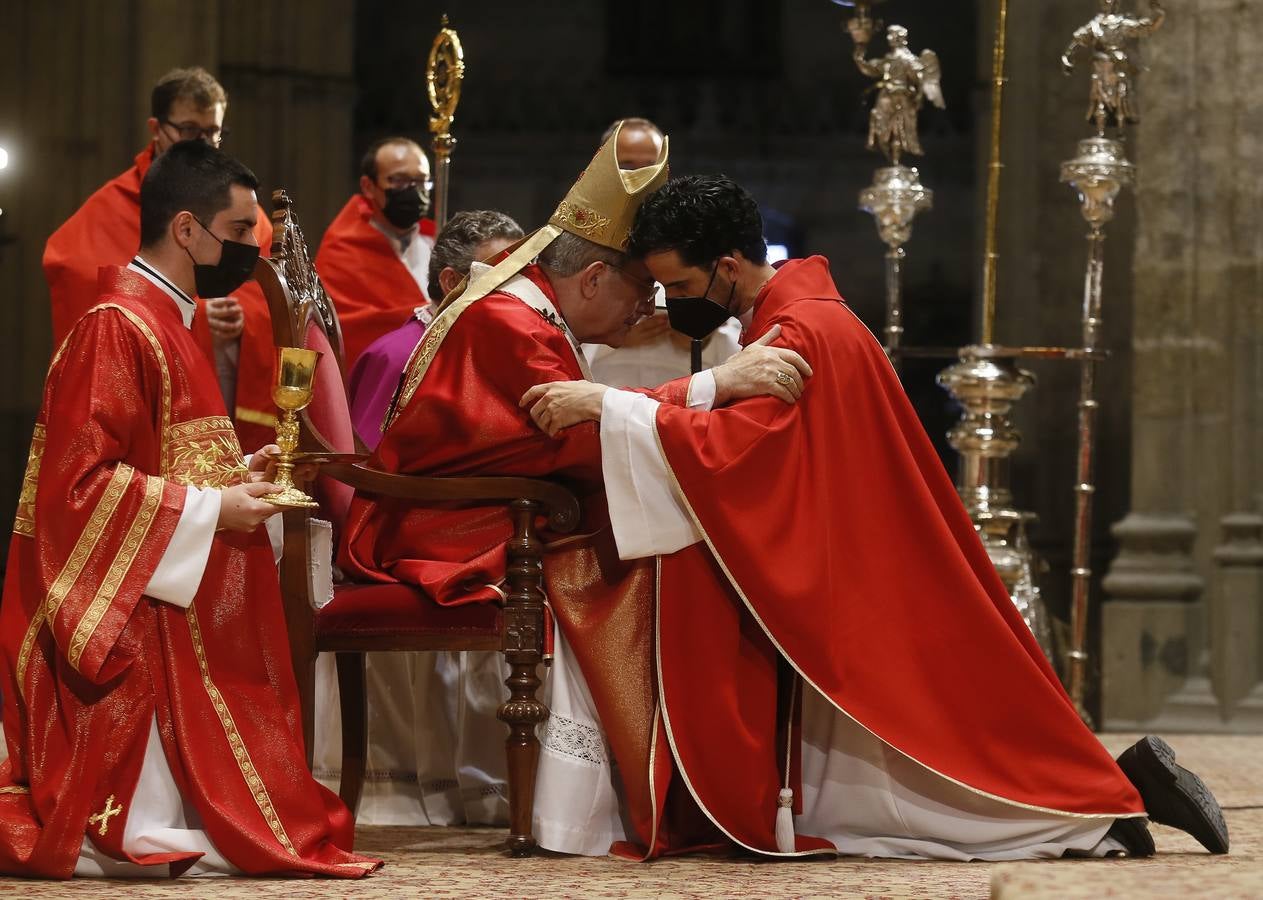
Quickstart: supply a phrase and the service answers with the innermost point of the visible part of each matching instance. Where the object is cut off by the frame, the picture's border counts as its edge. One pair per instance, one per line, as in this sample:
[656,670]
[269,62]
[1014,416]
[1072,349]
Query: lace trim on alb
[575,740]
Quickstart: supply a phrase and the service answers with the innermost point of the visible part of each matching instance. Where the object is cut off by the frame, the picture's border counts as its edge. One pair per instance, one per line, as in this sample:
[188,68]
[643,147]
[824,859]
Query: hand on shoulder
[761,369]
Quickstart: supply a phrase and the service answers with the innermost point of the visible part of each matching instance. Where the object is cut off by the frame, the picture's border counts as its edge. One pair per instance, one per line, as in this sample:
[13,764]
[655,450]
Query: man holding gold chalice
[150,709]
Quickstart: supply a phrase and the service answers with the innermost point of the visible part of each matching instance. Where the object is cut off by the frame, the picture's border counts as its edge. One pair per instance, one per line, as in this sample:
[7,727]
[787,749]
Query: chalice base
[292,498]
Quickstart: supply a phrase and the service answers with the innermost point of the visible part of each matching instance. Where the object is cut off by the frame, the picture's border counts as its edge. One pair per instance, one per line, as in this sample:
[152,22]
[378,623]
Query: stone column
[1195,391]
[1235,618]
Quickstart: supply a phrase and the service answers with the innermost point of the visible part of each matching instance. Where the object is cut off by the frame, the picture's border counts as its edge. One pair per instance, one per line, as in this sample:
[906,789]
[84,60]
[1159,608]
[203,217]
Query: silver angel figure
[904,81]
[1113,68]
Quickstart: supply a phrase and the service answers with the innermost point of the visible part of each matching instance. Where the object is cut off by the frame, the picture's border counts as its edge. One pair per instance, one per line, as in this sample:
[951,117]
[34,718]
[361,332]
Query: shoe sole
[1190,807]
[1134,835]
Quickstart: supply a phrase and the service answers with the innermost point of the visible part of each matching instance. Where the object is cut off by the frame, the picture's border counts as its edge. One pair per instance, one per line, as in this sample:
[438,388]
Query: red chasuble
[371,288]
[464,419]
[105,231]
[835,540]
[131,414]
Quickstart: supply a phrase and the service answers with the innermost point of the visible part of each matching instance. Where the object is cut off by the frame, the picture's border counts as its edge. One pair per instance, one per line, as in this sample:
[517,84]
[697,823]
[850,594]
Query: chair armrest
[562,505]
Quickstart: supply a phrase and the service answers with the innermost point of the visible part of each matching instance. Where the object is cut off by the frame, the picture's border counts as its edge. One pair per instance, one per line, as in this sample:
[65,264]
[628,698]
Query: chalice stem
[296,369]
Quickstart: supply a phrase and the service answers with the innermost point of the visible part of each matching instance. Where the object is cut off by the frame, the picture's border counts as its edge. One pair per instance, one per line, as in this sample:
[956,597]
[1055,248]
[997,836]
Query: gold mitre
[599,207]
[603,201]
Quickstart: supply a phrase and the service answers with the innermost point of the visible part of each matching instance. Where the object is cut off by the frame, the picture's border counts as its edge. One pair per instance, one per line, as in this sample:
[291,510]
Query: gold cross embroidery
[105,815]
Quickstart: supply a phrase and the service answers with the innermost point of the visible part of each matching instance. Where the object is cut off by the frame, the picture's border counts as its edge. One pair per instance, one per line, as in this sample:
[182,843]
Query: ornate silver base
[987,382]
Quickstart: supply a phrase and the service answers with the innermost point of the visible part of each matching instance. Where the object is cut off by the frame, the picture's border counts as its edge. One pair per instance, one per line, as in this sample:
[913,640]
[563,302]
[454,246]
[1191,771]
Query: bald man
[653,354]
[639,143]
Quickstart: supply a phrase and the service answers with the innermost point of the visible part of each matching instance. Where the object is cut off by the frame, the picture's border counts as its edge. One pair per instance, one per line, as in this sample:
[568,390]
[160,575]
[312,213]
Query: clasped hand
[225,318]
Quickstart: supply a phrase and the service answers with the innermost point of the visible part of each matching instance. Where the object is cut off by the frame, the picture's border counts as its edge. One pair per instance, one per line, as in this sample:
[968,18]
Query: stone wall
[1182,625]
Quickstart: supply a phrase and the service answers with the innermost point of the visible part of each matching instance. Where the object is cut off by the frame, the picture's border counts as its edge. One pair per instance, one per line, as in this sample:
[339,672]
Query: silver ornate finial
[904,82]
[1108,36]
[289,250]
[896,196]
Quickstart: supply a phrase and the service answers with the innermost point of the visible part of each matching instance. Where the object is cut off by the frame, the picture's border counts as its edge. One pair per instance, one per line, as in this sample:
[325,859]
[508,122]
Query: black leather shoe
[1134,835]
[1173,795]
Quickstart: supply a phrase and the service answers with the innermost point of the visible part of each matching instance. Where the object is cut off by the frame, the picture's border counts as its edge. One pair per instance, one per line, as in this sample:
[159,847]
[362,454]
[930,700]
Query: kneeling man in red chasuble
[150,711]
[514,325]
[839,667]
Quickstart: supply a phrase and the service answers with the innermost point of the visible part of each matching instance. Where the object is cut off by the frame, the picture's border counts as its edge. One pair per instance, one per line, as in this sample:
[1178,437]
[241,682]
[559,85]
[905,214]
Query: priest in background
[841,669]
[374,259]
[151,713]
[652,354]
[234,331]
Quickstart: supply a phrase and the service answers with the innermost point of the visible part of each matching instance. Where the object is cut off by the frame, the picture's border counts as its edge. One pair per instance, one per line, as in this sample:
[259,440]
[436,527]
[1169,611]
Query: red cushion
[391,610]
[330,415]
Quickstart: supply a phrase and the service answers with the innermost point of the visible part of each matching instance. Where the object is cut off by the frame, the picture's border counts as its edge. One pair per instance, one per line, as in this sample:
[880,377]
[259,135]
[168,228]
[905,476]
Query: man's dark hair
[194,84]
[192,176]
[459,239]
[701,217]
[368,162]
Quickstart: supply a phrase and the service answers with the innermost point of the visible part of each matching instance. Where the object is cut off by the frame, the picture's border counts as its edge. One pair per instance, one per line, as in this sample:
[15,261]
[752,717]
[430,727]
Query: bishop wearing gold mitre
[516,324]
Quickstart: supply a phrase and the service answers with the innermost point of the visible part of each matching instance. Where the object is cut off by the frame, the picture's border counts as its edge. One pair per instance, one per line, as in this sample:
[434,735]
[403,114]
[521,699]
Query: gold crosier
[444,73]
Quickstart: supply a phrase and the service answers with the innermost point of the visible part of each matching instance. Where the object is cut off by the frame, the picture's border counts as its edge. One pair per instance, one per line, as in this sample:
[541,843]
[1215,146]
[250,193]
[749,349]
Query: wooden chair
[395,617]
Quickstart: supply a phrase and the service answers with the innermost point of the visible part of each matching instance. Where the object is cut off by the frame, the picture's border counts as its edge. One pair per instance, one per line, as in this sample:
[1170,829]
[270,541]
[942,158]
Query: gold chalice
[296,370]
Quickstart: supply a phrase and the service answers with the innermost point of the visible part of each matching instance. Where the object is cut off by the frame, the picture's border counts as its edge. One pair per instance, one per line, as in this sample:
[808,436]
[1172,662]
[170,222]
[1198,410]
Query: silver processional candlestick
[1098,174]
[987,381]
[904,81]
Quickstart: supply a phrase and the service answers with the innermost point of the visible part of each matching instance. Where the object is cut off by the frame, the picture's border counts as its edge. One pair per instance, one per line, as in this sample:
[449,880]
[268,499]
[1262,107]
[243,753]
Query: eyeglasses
[191,131]
[649,284]
[403,182]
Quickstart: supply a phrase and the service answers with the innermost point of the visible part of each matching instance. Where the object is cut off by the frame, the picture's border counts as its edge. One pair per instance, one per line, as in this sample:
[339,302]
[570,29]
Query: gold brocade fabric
[204,453]
[24,523]
[604,606]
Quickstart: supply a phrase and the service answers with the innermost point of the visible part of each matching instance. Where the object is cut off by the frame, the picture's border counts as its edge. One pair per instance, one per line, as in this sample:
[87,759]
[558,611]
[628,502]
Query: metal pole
[1098,174]
[1085,490]
[894,305]
[992,256]
[443,145]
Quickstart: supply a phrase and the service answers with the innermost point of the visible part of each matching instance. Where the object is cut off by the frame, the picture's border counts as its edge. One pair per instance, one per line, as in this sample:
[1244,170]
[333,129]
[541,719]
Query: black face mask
[235,267]
[405,206]
[697,317]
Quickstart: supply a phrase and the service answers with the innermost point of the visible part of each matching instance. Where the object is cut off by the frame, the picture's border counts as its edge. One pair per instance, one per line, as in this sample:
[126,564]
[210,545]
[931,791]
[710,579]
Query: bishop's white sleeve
[647,516]
[179,572]
[702,390]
